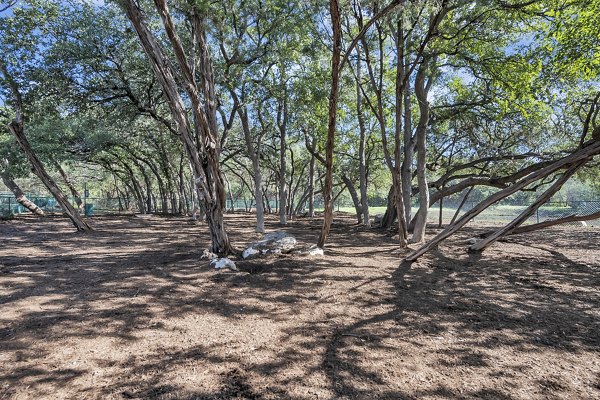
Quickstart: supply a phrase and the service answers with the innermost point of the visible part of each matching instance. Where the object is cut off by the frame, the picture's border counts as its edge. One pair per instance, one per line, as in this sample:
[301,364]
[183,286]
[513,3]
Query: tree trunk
[16,127]
[529,211]
[311,187]
[200,138]
[589,150]
[20,196]
[421,93]
[67,180]
[388,219]
[407,175]
[282,122]
[355,198]
[232,208]
[362,166]
[398,184]
[254,155]
[332,118]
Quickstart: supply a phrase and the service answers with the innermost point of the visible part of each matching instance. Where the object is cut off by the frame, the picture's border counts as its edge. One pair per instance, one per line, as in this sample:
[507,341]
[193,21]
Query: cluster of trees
[190,101]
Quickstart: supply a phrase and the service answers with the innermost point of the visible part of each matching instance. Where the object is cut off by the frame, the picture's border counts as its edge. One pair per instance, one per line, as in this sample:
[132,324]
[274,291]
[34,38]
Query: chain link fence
[500,213]
[9,205]
[504,212]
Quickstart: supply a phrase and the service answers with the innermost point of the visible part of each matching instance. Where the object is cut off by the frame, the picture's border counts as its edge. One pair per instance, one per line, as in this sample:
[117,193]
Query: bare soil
[131,312]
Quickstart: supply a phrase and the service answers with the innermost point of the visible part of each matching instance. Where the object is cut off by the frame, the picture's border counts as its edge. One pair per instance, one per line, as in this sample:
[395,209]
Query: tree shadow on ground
[346,328]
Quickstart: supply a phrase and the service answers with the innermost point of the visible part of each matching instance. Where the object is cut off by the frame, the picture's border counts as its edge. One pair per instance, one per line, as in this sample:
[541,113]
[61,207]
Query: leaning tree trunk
[16,127]
[529,211]
[547,224]
[67,180]
[20,196]
[589,150]
[355,198]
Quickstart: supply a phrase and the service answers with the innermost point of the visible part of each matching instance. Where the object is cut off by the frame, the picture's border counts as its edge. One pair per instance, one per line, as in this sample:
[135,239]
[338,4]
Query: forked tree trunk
[336,65]
[589,150]
[20,196]
[421,217]
[200,138]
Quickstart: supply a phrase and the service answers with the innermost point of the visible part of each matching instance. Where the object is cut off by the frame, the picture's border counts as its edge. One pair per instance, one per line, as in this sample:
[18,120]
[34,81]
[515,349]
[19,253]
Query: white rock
[315,251]
[278,242]
[250,251]
[220,263]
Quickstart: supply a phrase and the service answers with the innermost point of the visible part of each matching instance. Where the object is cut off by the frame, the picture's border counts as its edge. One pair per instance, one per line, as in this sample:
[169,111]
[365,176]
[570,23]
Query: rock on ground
[221,263]
[273,243]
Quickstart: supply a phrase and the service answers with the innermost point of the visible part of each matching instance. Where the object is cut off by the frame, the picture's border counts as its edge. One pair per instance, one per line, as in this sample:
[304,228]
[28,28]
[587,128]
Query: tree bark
[389,217]
[421,134]
[332,118]
[398,180]
[282,116]
[407,162]
[20,196]
[311,187]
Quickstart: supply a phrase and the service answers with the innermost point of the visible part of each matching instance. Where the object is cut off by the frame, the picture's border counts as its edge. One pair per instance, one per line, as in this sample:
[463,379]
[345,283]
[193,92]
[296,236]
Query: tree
[200,139]
[23,52]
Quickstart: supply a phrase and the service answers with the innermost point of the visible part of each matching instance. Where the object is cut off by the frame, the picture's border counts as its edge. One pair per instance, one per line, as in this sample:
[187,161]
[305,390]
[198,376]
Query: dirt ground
[130,312]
